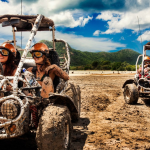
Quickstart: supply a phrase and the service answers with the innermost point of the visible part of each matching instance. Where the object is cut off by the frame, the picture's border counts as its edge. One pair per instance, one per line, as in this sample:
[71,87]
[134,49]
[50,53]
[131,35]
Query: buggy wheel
[54,130]
[131,94]
[74,92]
[78,100]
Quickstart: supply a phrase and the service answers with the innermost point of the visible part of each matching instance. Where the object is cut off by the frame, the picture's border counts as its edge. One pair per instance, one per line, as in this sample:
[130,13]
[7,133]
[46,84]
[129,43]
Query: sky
[87,25]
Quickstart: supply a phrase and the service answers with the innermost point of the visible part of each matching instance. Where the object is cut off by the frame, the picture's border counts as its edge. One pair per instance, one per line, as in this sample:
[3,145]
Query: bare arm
[30,69]
[139,71]
[57,71]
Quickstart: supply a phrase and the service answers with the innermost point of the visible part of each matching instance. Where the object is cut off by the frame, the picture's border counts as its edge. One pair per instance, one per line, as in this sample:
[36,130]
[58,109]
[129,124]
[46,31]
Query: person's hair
[46,63]
[10,65]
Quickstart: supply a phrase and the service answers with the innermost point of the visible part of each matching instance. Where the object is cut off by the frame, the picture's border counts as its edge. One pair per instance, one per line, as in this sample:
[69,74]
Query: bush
[115,65]
[88,67]
[95,64]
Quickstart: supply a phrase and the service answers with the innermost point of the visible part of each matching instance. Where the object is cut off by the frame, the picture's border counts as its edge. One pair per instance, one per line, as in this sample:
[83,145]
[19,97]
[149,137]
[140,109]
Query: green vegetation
[106,65]
[87,58]
[122,60]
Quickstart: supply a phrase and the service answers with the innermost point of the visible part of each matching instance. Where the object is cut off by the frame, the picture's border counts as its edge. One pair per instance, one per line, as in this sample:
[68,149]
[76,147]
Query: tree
[95,64]
[115,65]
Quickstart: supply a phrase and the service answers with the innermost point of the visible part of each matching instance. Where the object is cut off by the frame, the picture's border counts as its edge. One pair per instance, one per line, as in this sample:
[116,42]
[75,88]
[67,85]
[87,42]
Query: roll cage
[145,48]
[15,110]
[33,23]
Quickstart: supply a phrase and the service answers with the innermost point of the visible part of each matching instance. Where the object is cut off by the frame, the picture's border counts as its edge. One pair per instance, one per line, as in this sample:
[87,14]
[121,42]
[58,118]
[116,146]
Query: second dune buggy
[140,85]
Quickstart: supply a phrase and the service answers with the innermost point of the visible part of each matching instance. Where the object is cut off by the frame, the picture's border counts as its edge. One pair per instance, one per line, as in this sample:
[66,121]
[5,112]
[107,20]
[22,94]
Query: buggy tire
[74,92]
[54,130]
[131,94]
[78,100]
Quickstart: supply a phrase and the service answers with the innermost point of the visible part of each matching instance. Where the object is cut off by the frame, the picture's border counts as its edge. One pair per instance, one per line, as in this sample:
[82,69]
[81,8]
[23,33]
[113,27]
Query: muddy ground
[106,122]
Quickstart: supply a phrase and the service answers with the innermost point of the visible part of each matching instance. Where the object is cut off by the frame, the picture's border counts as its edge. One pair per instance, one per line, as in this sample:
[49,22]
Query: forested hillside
[79,58]
[124,59]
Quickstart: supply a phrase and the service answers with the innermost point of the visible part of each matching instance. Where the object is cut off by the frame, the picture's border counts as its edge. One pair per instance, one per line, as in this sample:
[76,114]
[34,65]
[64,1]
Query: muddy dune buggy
[19,113]
[140,85]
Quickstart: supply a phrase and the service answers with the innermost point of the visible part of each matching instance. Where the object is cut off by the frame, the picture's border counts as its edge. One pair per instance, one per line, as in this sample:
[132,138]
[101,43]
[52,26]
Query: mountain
[79,58]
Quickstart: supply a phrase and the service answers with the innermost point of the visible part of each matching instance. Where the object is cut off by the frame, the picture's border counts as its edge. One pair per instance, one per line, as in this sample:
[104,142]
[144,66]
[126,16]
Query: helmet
[10,47]
[40,47]
[146,58]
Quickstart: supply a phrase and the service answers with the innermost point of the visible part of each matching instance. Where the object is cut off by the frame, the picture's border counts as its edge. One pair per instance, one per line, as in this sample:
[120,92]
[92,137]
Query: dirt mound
[100,102]
[96,103]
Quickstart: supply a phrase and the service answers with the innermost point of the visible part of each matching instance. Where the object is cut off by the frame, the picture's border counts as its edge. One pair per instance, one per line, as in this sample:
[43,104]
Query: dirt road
[106,122]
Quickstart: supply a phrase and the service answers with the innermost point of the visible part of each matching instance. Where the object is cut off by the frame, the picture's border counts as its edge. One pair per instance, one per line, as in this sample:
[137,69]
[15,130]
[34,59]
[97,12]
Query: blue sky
[87,25]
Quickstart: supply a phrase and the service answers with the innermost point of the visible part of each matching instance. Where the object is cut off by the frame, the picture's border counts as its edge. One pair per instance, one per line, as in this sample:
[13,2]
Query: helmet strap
[39,64]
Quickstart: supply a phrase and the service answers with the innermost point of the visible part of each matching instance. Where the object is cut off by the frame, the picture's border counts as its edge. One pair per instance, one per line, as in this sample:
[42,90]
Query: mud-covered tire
[74,92]
[131,94]
[79,99]
[54,130]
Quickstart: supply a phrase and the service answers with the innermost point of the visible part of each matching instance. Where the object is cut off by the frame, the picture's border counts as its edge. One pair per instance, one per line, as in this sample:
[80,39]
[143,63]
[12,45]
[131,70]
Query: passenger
[45,72]
[7,57]
[146,67]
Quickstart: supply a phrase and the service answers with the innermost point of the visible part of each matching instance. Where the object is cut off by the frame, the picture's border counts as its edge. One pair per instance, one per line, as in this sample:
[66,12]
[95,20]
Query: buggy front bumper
[17,126]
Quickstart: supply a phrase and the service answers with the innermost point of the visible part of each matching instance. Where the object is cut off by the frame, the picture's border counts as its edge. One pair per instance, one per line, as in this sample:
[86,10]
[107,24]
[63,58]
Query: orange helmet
[10,47]
[146,58]
[40,47]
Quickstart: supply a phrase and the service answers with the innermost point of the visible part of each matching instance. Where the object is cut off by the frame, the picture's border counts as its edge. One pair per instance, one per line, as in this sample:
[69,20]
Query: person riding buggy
[7,58]
[140,85]
[146,67]
[44,71]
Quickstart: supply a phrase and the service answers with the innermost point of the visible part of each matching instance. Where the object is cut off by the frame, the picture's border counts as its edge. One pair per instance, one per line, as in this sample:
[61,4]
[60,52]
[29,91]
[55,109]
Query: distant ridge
[79,58]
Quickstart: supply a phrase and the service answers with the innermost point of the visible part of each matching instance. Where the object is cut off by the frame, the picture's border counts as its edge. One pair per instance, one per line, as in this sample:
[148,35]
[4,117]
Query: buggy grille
[9,109]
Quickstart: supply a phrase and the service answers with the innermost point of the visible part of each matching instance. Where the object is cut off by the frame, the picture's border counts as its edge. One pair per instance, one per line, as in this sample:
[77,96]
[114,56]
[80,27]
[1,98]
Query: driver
[146,66]
[45,72]
[7,57]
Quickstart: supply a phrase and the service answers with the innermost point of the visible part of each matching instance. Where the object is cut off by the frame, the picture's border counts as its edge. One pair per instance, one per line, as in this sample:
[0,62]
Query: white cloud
[86,20]
[96,33]
[145,36]
[108,15]
[89,44]
[128,20]
[66,19]
[47,8]
[139,1]
[77,42]
[9,8]
[63,13]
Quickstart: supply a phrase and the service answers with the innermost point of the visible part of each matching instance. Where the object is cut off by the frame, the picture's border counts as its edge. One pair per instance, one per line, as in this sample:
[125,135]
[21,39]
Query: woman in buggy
[44,71]
[7,59]
[146,67]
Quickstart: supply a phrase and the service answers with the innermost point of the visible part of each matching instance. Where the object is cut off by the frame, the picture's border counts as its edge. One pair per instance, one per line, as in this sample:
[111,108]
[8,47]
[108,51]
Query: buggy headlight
[9,109]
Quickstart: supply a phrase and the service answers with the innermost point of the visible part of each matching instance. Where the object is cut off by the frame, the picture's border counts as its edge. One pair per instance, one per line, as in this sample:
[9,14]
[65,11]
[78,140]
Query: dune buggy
[19,113]
[140,85]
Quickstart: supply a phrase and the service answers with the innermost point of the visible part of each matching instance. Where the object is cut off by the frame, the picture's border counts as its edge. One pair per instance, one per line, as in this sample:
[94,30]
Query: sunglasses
[37,54]
[4,52]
